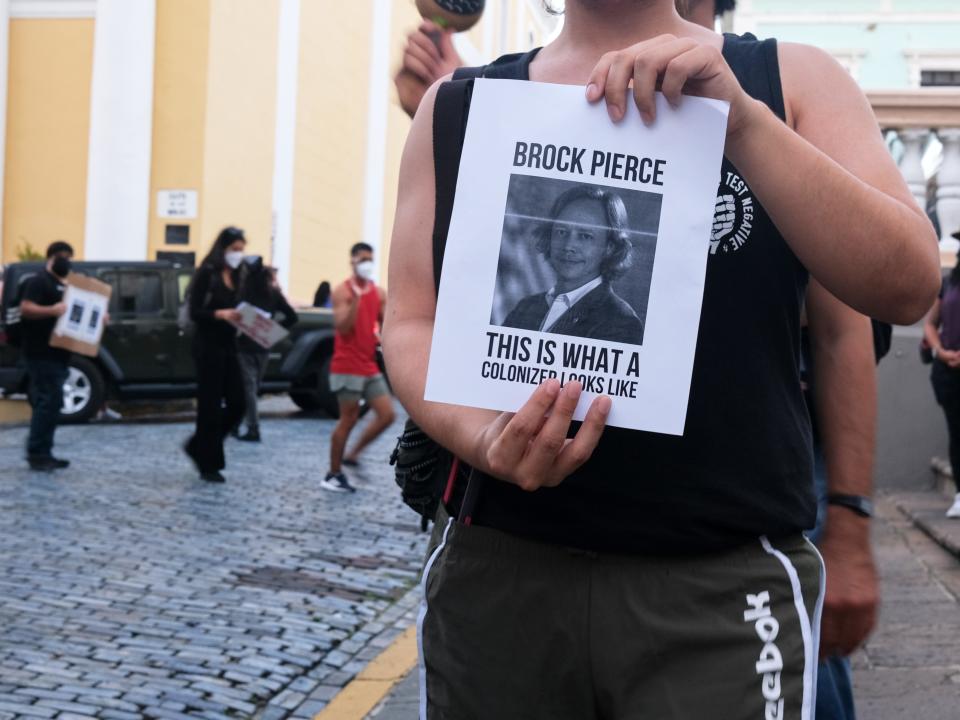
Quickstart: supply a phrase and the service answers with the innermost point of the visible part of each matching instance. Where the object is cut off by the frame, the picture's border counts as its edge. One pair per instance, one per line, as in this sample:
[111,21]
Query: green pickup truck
[146,354]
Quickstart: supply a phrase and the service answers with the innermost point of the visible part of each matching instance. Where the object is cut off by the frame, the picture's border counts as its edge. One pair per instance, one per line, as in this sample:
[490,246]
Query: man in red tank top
[354,373]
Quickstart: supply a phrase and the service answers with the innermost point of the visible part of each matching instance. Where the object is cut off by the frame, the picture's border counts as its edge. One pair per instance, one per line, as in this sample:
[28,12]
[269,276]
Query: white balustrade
[948,188]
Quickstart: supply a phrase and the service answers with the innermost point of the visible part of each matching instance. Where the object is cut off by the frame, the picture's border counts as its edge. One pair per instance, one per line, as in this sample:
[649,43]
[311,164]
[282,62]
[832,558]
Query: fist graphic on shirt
[724,216]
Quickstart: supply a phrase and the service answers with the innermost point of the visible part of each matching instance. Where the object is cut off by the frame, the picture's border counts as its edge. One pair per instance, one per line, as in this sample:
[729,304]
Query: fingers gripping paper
[577,250]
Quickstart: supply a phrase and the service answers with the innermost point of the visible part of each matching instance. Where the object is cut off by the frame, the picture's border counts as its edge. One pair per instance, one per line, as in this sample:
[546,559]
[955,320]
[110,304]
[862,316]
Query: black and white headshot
[576,259]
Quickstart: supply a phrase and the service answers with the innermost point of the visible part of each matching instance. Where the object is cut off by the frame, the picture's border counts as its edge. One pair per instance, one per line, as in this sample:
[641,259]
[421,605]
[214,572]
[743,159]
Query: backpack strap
[450,110]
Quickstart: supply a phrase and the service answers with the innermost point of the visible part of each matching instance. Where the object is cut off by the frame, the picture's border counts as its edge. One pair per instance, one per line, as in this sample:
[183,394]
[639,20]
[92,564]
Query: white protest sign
[80,328]
[577,250]
[259,326]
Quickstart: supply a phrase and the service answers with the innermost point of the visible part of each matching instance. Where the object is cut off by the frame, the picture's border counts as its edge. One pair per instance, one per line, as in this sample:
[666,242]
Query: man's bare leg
[349,414]
[383,407]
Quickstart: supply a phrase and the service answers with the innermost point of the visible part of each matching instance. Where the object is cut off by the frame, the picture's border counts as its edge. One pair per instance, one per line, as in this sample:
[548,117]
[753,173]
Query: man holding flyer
[633,573]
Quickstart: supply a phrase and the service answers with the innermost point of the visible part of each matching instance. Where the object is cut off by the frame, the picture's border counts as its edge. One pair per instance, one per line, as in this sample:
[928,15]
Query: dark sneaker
[42,464]
[213,477]
[59,464]
[337,482]
[250,436]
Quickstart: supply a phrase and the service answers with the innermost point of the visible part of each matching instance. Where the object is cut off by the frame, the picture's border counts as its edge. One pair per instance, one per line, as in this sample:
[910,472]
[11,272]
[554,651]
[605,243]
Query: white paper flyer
[577,250]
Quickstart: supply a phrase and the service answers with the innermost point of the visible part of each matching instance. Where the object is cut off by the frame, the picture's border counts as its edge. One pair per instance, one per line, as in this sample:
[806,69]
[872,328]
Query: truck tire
[84,391]
[312,391]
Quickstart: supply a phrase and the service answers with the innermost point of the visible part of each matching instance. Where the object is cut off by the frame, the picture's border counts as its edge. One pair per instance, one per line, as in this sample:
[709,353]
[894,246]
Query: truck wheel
[83,391]
[312,392]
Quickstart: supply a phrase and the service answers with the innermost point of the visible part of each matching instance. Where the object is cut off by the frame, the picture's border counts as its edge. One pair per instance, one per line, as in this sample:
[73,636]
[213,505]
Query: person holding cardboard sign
[41,304]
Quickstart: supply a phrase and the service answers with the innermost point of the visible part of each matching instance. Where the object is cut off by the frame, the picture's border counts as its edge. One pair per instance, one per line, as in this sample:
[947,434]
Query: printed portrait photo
[576,259]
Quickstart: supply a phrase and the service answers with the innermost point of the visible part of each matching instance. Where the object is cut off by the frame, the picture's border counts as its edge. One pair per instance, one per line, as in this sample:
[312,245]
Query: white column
[121,118]
[288,64]
[948,190]
[910,164]
[377,104]
[4,69]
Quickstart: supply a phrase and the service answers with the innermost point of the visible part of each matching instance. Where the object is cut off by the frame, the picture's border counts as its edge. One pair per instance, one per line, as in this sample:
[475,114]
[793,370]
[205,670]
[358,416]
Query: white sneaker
[337,483]
[954,511]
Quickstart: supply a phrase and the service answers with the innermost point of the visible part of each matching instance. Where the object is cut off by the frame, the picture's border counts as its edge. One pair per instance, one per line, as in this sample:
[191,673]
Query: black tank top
[743,465]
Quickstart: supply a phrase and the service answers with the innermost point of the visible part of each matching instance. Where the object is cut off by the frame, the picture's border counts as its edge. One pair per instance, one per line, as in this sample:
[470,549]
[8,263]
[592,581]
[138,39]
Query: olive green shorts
[515,629]
[351,388]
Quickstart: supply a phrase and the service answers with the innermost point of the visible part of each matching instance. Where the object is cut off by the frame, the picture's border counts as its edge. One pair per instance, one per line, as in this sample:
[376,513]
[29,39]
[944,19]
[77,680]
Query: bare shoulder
[813,81]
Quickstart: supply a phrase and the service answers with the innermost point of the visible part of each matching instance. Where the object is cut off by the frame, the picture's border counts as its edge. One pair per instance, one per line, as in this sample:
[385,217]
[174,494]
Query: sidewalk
[910,667]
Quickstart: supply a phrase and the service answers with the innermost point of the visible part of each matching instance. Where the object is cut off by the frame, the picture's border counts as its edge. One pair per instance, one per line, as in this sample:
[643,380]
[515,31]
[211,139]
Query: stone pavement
[131,589]
[910,668]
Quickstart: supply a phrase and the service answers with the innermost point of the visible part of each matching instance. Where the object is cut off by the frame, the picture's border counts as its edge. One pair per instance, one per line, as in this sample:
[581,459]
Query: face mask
[233,258]
[60,266]
[364,270]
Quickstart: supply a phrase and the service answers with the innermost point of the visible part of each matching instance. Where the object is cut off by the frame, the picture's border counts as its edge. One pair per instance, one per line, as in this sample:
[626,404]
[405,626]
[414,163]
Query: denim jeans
[46,397]
[834,685]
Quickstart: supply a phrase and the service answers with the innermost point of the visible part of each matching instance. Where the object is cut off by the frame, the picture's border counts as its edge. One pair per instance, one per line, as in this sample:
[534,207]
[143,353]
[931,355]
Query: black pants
[946,387]
[220,403]
[46,396]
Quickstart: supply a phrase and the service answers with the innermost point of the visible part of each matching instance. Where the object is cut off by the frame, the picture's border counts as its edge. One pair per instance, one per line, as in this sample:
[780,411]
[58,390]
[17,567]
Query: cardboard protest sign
[259,326]
[80,328]
[577,249]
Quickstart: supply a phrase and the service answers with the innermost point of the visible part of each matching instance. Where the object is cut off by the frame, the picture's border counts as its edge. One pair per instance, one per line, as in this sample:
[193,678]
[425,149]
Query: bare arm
[345,305]
[844,387]
[828,183]
[835,193]
[31,311]
[521,448]
[931,327]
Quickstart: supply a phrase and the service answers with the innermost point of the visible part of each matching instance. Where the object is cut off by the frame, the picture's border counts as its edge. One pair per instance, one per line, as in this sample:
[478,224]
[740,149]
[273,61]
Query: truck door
[142,326]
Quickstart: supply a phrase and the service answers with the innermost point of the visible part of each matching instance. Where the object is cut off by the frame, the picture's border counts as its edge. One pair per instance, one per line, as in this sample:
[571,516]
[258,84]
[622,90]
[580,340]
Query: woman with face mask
[212,298]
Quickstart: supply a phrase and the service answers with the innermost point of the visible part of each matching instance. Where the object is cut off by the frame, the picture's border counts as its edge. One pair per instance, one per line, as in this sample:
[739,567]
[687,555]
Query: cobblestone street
[131,589]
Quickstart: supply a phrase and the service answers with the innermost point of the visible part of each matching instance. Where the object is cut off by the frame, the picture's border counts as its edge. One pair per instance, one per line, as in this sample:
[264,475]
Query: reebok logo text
[770,662]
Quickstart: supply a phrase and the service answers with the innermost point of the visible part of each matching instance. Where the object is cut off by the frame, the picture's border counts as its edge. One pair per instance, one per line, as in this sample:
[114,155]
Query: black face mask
[61,266]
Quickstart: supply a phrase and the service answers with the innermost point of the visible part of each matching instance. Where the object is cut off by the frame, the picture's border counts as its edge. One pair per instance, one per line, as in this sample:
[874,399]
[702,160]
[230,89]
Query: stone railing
[914,115]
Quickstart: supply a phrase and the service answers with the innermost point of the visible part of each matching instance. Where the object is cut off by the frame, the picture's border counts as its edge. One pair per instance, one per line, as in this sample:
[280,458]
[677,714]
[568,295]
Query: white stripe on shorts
[420,618]
[810,641]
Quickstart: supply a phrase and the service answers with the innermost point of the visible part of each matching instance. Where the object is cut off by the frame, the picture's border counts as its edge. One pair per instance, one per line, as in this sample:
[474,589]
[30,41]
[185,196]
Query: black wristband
[862,506]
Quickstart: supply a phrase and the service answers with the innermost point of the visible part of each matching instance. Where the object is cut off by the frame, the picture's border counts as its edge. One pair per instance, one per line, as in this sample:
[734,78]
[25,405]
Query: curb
[14,412]
[367,689]
[931,521]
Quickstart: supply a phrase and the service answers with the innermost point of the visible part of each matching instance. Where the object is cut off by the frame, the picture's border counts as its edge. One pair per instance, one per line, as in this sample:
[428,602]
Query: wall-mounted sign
[177,204]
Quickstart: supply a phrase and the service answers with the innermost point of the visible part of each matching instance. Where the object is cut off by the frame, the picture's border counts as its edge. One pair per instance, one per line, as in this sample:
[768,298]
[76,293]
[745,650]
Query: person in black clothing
[213,297]
[565,508]
[323,297]
[41,303]
[260,289]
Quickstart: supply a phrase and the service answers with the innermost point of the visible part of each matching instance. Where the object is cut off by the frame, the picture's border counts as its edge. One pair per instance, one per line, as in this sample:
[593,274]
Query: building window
[939,78]
[176,234]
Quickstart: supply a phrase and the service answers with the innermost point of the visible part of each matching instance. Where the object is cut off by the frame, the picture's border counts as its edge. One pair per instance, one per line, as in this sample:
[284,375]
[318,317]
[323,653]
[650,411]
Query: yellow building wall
[330,143]
[48,132]
[240,121]
[179,114]
[405,18]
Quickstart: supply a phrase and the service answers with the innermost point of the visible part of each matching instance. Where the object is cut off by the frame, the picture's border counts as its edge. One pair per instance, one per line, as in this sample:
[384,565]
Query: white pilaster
[288,64]
[948,188]
[4,68]
[911,166]
[121,117]
[377,104]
